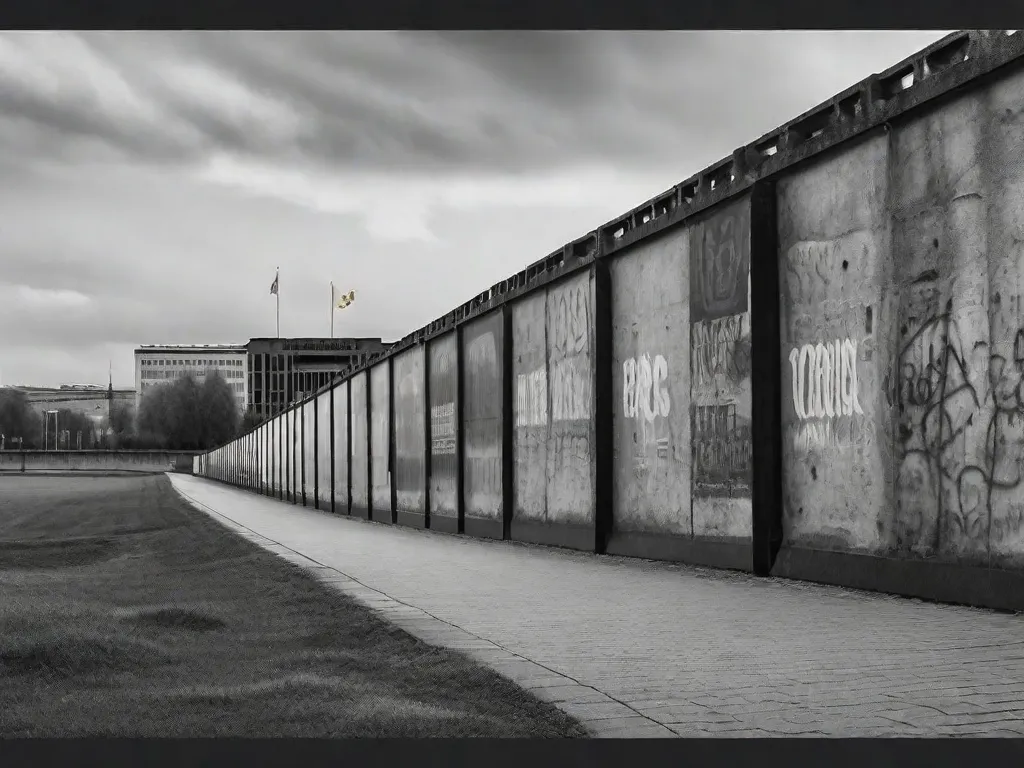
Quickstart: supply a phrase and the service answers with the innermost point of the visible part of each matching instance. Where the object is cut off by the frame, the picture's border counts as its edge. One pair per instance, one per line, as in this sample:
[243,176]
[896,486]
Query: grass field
[124,612]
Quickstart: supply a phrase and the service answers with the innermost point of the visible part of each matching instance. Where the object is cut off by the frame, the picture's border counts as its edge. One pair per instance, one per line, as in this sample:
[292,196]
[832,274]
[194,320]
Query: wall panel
[341,449]
[652,454]
[410,431]
[444,426]
[482,415]
[360,444]
[380,441]
[324,453]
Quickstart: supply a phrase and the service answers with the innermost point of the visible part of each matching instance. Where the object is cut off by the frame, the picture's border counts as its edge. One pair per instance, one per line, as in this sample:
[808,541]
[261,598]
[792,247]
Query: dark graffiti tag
[721,451]
[719,264]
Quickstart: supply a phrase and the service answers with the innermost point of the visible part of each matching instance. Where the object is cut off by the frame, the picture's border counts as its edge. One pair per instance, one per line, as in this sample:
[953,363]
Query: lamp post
[46,434]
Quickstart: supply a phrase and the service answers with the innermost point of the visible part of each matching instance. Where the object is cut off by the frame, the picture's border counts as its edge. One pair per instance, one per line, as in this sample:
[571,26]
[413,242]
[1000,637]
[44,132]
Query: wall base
[361,512]
[382,516]
[444,523]
[737,556]
[580,537]
[340,506]
[483,528]
[928,579]
[412,519]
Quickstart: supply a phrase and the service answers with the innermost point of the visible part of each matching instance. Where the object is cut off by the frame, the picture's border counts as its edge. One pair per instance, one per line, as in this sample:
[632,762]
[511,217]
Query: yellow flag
[343,300]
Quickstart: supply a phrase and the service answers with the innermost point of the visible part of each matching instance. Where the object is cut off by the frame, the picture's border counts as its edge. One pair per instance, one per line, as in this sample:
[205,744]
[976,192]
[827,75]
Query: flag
[273,285]
[343,300]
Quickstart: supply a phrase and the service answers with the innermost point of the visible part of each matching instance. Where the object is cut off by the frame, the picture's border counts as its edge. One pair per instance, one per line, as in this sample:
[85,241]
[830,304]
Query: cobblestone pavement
[642,649]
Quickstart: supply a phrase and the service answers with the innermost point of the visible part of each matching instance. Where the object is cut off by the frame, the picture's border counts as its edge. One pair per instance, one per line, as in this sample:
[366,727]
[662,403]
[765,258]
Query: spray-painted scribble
[570,390]
[720,264]
[720,347]
[532,399]
[721,451]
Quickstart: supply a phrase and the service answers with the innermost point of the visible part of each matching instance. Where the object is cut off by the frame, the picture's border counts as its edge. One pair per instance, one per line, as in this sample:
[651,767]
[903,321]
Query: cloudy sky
[150,183]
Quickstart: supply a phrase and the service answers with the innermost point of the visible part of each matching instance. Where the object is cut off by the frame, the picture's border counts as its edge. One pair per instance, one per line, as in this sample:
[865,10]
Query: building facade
[159,364]
[282,371]
[91,400]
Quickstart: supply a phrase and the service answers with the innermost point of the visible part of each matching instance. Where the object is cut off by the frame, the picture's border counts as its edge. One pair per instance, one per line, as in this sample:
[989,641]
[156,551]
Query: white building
[159,364]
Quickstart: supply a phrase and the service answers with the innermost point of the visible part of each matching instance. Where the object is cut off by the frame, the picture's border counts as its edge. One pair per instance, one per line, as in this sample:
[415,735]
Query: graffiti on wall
[825,380]
[443,424]
[482,416]
[720,264]
[532,399]
[442,429]
[645,387]
[720,355]
[720,347]
[958,388]
[721,451]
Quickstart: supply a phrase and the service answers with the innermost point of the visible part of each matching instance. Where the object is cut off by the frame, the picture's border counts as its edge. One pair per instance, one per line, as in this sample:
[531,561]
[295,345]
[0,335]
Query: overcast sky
[150,183]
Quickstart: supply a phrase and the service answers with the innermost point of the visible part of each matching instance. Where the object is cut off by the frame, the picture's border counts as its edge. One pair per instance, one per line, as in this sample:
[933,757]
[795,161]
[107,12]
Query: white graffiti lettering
[532,399]
[825,380]
[570,391]
[643,387]
[442,429]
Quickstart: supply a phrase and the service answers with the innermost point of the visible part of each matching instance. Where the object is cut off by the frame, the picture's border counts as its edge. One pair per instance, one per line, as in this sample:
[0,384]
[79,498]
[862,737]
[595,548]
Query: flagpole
[277,295]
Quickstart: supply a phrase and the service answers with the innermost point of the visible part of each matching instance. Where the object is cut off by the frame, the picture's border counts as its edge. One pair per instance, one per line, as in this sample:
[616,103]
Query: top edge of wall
[940,69]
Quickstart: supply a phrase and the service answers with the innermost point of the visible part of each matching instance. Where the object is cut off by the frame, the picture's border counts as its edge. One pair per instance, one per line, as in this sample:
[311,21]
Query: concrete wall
[482,353]
[309,456]
[410,436]
[360,460]
[341,449]
[380,440]
[324,472]
[444,431]
[552,370]
[903,265]
[98,461]
[816,373]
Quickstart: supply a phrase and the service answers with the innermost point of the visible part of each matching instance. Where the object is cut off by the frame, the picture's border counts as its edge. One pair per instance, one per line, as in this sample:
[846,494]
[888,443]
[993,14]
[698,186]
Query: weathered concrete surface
[444,426]
[720,373]
[410,431]
[552,343]
[309,452]
[295,424]
[482,344]
[637,648]
[958,245]
[570,358]
[380,441]
[323,438]
[530,407]
[651,384]
[833,244]
[97,461]
[360,458]
[341,449]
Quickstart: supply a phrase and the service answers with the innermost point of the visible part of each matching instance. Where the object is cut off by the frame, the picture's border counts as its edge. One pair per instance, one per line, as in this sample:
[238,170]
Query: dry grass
[127,613]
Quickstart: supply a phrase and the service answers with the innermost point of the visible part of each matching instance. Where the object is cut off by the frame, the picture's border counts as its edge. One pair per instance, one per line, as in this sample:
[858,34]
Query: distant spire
[110,381]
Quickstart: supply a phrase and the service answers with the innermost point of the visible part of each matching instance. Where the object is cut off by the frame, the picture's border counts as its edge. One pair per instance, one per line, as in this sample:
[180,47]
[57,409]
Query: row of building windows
[187,362]
[177,374]
[237,387]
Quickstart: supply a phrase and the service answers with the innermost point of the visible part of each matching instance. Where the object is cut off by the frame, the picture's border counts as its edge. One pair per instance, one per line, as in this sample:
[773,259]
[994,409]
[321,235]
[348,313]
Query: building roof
[190,348]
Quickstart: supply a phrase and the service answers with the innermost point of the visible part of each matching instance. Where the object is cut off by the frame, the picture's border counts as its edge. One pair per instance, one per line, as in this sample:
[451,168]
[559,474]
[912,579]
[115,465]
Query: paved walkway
[635,648]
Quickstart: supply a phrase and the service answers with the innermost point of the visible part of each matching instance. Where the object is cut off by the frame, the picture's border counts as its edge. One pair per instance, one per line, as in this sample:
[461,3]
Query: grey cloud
[501,101]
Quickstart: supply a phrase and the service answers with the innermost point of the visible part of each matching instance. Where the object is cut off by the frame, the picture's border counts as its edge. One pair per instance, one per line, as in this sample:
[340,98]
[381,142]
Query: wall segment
[893,430]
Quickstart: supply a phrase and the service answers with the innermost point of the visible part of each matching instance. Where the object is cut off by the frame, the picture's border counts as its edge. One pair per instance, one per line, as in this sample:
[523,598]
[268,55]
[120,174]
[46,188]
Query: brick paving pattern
[636,648]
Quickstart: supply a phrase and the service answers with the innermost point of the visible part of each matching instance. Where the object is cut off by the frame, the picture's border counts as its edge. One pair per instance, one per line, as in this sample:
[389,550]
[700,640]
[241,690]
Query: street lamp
[46,435]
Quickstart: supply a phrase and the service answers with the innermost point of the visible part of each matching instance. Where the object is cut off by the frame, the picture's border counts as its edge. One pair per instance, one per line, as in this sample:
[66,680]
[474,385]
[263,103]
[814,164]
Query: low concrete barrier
[97,461]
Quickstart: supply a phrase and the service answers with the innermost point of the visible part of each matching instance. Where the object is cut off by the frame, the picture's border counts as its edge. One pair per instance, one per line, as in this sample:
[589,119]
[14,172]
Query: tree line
[178,415]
